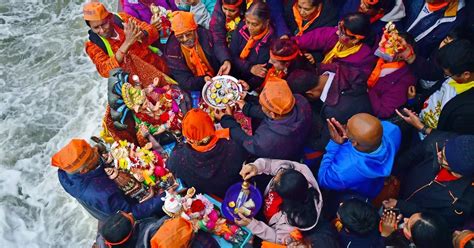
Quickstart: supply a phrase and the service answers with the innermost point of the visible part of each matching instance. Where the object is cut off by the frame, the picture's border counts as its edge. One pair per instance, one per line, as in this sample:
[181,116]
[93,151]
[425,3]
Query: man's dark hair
[359,24]
[358,217]
[431,231]
[457,57]
[116,228]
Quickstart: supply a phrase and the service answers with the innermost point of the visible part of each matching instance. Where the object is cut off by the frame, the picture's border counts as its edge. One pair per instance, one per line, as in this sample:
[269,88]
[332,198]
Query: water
[50,92]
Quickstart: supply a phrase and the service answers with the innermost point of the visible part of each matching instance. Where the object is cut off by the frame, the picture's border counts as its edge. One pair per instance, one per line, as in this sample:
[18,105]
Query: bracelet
[424,129]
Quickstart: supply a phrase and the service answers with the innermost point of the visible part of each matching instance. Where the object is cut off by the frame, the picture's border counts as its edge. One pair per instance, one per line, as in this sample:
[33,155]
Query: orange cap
[75,156]
[95,11]
[197,125]
[182,22]
[276,96]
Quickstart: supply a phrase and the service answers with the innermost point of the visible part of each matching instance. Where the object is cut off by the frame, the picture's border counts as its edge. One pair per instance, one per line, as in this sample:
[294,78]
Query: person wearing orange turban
[113,36]
[190,53]
[285,126]
[209,161]
[81,173]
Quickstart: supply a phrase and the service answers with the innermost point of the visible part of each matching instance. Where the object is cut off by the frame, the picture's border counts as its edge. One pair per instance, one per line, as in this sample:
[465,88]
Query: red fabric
[445,176]
[272,204]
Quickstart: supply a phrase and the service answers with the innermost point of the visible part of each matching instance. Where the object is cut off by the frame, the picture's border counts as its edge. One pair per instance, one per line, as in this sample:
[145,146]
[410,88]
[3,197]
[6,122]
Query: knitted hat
[95,11]
[75,156]
[277,97]
[182,22]
[460,155]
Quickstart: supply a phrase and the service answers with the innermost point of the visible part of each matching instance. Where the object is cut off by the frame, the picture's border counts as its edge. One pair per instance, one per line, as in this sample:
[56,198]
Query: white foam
[49,92]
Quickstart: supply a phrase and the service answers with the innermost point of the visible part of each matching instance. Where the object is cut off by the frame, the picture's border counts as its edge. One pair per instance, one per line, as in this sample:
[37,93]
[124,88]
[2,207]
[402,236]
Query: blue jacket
[343,168]
[427,43]
[101,197]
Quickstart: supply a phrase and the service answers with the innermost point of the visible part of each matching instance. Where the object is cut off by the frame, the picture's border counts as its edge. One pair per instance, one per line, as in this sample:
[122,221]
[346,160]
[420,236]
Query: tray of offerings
[221,91]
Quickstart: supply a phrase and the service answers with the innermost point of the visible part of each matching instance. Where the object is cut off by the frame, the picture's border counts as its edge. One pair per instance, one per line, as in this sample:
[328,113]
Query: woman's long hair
[298,200]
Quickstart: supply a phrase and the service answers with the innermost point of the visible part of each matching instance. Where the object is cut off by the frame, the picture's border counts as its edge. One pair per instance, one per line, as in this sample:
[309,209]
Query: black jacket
[419,191]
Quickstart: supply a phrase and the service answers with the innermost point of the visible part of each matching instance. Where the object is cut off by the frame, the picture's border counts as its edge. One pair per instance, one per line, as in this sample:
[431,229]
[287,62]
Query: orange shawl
[197,61]
[251,43]
[299,20]
[381,64]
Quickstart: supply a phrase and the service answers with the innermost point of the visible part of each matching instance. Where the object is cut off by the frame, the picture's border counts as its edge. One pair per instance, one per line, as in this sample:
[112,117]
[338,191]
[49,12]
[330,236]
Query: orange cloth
[251,43]
[437,6]
[94,11]
[196,60]
[272,72]
[381,64]
[232,6]
[75,156]
[104,63]
[182,22]
[277,97]
[197,126]
[299,20]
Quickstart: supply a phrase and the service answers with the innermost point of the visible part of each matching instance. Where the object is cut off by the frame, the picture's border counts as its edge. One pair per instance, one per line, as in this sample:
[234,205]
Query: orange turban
[276,96]
[95,11]
[182,22]
[198,126]
[75,156]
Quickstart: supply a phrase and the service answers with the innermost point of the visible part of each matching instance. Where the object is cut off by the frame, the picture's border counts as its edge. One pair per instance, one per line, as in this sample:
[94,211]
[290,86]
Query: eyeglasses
[343,31]
[441,154]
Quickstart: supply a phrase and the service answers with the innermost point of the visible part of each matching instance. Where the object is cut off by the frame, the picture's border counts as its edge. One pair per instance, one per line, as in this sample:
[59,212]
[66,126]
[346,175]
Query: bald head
[365,131]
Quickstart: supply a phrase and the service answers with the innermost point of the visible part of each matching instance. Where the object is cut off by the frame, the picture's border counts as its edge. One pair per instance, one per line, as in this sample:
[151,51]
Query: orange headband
[232,6]
[466,239]
[348,32]
[129,217]
[285,58]
[371,2]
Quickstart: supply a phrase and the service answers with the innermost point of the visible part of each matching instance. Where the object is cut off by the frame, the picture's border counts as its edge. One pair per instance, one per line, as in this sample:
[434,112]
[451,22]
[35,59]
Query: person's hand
[285,36]
[411,118]
[407,53]
[388,222]
[240,103]
[207,79]
[157,24]
[336,131]
[219,113]
[259,70]
[390,203]
[132,32]
[245,85]
[225,68]
[310,58]
[244,221]
[411,92]
[248,171]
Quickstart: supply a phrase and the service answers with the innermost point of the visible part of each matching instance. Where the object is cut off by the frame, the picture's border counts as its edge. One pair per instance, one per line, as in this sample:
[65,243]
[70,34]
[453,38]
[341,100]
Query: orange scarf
[251,43]
[248,3]
[272,72]
[381,64]
[437,6]
[299,20]
[219,134]
[197,61]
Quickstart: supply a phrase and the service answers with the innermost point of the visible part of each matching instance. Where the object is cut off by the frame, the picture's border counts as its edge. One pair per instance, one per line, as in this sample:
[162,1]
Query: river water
[50,92]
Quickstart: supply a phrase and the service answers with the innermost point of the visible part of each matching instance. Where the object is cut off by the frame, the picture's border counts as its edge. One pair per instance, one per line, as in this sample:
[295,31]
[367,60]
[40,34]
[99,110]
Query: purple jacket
[390,92]
[260,54]
[325,38]
[177,64]
[142,11]
[277,139]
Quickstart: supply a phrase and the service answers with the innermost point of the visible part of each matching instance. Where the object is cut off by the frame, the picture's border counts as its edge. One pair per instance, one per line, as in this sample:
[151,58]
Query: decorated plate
[220,91]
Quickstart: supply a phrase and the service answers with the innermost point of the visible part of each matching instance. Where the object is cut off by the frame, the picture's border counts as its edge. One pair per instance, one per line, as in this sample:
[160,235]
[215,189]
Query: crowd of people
[348,147]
